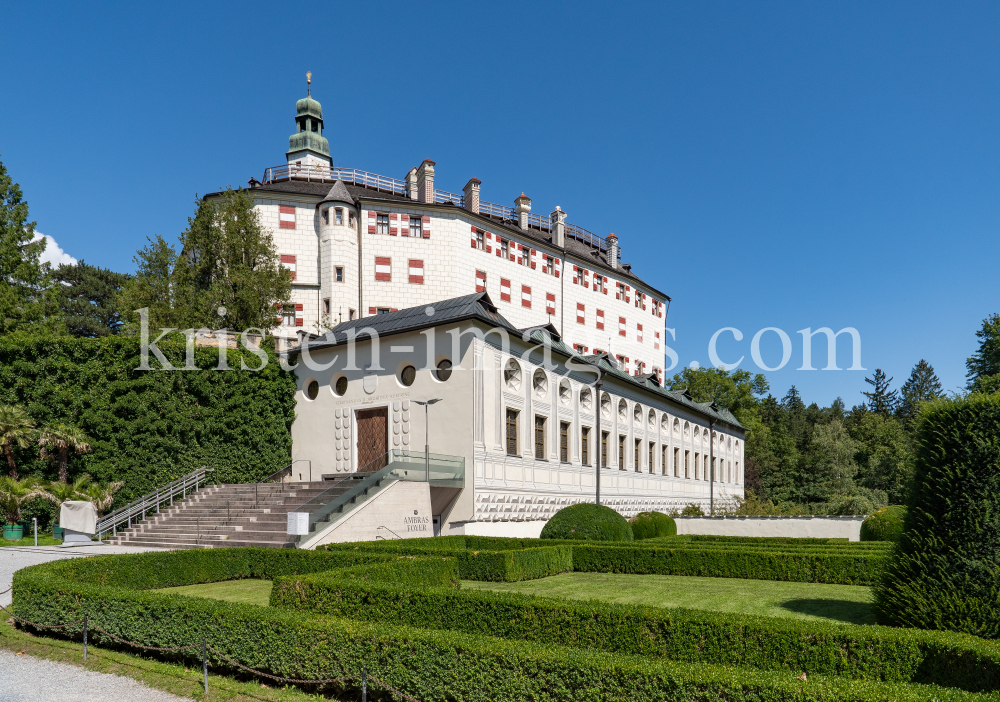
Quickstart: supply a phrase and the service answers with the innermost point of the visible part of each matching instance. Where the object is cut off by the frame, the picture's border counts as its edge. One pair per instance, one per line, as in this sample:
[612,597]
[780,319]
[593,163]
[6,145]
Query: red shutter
[298,307]
[392,216]
[526,296]
[473,243]
[372,310]
[371,215]
[600,319]
[393,231]
[298,321]
[504,285]
[425,219]
[383,269]
[371,228]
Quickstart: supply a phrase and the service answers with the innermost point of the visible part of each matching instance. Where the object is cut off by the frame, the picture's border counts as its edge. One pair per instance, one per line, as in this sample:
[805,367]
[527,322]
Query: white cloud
[53,253]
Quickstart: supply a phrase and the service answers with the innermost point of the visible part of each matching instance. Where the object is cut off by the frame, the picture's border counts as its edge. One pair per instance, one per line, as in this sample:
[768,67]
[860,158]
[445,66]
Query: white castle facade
[372,251]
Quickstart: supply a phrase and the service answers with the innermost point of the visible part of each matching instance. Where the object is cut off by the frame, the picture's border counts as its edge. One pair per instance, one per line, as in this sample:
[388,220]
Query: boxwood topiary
[587,522]
[885,524]
[945,571]
[648,525]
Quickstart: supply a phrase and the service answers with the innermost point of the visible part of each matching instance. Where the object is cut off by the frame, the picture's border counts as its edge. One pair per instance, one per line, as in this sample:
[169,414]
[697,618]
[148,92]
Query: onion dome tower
[308,146]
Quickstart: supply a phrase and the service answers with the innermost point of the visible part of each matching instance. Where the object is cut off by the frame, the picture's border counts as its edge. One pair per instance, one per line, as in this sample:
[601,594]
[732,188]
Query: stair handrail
[179,486]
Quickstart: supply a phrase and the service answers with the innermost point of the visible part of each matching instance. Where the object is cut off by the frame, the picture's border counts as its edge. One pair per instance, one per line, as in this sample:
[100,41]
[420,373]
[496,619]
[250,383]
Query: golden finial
[309,80]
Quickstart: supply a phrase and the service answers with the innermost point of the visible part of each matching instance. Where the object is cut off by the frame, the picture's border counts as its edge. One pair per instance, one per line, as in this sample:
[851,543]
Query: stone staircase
[219,516]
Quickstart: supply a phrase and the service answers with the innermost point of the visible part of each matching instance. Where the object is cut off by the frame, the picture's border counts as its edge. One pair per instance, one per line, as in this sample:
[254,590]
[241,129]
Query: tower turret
[308,146]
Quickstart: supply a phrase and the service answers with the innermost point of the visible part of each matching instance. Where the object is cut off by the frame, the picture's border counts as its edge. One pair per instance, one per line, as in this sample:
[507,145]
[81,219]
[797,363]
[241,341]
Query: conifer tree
[985,362]
[922,385]
[87,299]
[881,399]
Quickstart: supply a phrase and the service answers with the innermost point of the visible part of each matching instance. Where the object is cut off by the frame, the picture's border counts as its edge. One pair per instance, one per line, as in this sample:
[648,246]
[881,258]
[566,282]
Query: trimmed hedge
[649,525]
[885,524]
[945,571]
[587,522]
[405,571]
[693,636]
[806,567]
[429,665]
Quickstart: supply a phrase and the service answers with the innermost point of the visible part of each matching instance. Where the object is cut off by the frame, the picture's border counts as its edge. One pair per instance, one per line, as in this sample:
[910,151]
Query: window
[704,474]
[621,453]
[599,283]
[585,446]
[312,390]
[540,438]
[637,456]
[687,464]
[504,249]
[326,305]
[350,314]
[652,457]
[512,374]
[340,386]
[382,224]
[677,467]
[350,218]
[382,310]
[511,432]
[338,273]
[383,269]
[621,361]
[288,315]
[416,227]
[564,442]
[416,271]
[444,370]
[326,216]
[604,449]
[663,460]
[580,348]
[619,291]
[480,244]
[407,376]
[548,264]
[338,217]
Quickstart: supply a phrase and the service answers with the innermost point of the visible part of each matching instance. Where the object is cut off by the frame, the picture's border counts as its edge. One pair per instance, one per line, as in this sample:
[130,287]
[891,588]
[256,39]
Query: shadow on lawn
[839,610]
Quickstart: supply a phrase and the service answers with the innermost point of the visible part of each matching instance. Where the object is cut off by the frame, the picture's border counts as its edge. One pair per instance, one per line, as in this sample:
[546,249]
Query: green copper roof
[309,129]
[308,106]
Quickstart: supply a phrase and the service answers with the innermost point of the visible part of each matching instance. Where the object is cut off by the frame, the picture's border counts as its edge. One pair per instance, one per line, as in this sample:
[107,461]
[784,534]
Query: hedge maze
[398,608]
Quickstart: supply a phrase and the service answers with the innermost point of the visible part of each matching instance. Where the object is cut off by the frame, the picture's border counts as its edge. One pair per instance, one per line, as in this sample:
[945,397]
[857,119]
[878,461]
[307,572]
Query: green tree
[881,399]
[922,385]
[17,430]
[884,455]
[737,391]
[827,467]
[985,362]
[25,295]
[58,440]
[227,274]
[87,299]
[14,493]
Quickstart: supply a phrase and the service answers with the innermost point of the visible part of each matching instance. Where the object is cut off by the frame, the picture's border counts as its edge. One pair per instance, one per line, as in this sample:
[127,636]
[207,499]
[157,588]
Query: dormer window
[338,216]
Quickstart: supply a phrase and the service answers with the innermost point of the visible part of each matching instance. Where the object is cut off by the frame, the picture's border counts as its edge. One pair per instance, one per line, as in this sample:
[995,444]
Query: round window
[340,387]
[312,390]
[408,375]
[512,374]
[444,370]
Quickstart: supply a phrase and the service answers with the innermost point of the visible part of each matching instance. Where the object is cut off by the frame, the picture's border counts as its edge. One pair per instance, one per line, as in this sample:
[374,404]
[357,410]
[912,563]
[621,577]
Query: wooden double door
[373,439]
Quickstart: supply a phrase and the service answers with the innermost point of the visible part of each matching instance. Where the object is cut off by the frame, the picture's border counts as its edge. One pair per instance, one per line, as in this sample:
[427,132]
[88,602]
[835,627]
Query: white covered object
[79,516]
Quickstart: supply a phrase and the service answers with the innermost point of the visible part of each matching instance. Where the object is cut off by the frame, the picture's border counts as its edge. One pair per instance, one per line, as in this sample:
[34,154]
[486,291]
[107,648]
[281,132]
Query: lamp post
[427,442]
[598,433]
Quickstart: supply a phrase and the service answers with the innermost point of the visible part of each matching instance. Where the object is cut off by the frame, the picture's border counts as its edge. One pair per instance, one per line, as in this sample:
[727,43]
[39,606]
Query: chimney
[558,219]
[472,195]
[411,184]
[425,181]
[522,206]
[612,250]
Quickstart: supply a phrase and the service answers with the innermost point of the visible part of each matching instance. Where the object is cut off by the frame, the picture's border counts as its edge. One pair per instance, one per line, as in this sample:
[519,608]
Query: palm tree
[102,495]
[57,493]
[16,429]
[61,438]
[14,493]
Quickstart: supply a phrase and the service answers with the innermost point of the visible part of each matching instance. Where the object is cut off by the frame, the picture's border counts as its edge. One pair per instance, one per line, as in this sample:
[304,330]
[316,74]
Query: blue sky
[770,164]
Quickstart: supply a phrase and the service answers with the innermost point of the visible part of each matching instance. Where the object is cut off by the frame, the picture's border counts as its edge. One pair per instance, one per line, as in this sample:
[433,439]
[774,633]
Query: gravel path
[27,679]
[13,558]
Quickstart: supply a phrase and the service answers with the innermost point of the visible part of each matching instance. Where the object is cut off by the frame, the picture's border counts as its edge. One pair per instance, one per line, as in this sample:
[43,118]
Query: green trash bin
[57,532]
[13,533]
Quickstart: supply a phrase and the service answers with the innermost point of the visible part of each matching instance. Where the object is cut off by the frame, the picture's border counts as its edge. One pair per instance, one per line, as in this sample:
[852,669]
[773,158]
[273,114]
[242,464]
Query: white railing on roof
[588,238]
[494,210]
[537,220]
[332,173]
[445,196]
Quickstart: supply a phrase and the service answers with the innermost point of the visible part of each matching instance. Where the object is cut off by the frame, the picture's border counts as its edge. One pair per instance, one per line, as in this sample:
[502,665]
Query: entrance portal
[373,439]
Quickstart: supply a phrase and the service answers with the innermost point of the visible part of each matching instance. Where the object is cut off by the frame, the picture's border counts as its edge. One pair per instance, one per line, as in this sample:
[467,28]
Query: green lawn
[257,592]
[43,540]
[811,601]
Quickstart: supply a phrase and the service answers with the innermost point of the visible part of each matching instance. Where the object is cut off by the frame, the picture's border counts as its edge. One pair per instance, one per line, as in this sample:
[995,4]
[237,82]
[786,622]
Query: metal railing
[331,504]
[537,220]
[444,196]
[494,210]
[332,173]
[181,486]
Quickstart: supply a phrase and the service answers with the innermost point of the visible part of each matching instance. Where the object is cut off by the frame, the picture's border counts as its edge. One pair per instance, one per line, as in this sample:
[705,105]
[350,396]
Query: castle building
[360,244]
[542,351]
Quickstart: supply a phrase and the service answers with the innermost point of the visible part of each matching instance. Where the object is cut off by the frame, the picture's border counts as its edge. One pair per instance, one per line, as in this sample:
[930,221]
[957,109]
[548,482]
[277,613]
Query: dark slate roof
[598,259]
[338,193]
[479,306]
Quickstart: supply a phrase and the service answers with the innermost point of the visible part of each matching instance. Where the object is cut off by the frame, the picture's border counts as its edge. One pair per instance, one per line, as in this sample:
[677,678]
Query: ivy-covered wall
[148,427]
